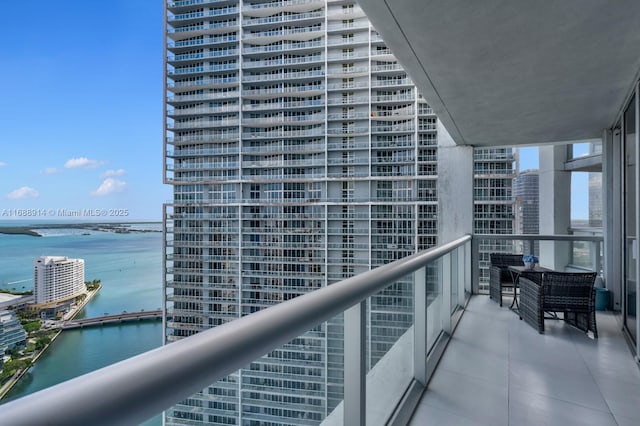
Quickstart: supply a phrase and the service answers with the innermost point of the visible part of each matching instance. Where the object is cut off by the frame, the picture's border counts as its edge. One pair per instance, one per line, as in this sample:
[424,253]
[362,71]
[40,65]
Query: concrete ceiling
[511,72]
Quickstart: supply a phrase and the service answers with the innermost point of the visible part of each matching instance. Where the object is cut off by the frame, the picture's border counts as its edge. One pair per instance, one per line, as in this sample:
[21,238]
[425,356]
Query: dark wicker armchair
[572,294]
[499,275]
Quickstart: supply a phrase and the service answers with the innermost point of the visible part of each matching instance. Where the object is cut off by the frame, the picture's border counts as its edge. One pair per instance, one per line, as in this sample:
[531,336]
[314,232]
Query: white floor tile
[499,370]
[531,409]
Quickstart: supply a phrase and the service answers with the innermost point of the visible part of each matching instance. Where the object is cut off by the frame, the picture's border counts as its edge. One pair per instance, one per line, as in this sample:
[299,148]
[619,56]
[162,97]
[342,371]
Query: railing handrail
[540,237]
[138,388]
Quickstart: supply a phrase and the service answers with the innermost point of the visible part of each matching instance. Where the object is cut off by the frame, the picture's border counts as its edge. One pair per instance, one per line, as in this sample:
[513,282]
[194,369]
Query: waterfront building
[11,332]
[57,278]
[300,154]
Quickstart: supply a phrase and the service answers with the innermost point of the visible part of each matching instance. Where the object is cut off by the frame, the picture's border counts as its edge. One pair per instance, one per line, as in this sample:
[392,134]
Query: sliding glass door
[631,239]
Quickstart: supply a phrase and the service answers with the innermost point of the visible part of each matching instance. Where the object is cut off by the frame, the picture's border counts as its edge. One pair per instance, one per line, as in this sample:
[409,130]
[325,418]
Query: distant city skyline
[82,111]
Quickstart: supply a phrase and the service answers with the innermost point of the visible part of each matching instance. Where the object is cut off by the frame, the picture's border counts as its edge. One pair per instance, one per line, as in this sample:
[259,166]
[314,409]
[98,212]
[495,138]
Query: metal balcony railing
[135,389]
[439,281]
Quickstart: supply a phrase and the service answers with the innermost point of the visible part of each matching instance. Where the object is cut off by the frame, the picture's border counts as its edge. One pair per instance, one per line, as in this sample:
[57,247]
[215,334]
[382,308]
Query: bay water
[129,266]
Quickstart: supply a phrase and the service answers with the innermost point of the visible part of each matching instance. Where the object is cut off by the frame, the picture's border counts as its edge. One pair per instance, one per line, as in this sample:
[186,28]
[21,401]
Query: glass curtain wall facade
[526,191]
[494,204]
[630,192]
[300,154]
[595,191]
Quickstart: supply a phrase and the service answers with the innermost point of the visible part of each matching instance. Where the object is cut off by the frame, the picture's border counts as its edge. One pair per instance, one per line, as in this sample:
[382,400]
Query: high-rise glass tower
[493,203]
[300,154]
[595,191]
[527,193]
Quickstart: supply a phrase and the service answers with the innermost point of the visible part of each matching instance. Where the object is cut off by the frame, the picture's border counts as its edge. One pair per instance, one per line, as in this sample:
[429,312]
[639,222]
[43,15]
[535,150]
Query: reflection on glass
[631,246]
[434,302]
[390,348]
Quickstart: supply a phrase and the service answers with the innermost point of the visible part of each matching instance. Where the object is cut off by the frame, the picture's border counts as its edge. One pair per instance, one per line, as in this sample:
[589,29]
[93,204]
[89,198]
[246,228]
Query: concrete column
[455,188]
[555,206]
[612,216]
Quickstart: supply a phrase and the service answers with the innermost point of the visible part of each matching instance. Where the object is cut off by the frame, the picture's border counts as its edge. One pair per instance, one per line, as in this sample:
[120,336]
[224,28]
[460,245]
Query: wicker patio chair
[499,275]
[572,294]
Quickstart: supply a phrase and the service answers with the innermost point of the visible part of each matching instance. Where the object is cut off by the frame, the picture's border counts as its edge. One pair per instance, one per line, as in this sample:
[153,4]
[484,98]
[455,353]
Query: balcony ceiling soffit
[502,72]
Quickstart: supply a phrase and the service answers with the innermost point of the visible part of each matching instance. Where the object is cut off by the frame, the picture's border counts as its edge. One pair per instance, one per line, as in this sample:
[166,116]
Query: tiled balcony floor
[497,370]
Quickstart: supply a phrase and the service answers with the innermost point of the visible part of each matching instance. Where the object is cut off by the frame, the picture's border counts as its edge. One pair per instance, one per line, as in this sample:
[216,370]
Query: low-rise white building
[57,278]
[11,332]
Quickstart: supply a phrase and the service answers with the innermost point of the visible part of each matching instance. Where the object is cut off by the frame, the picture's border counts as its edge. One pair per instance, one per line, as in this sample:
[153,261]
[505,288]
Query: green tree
[32,326]
[41,342]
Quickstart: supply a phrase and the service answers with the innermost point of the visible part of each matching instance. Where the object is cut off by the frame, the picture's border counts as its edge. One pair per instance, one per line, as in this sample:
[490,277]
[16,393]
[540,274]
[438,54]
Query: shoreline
[6,388]
[116,227]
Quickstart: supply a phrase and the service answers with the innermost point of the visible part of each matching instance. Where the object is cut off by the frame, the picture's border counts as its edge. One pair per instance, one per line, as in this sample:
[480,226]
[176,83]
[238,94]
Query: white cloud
[82,163]
[110,186]
[51,170]
[2,164]
[24,192]
[113,173]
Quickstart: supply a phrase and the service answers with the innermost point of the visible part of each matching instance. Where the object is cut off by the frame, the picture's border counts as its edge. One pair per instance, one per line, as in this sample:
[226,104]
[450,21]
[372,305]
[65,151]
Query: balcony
[348,26]
[316,16]
[349,86]
[294,119]
[270,36]
[203,166]
[185,44]
[513,375]
[282,105]
[347,41]
[179,33]
[202,124]
[211,137]
[203,69]
[307,90]
[202,97]
[387,67]
[396,128]
[271,8]
[182,4]
[348,56]
[282,61]
[348,100]
[348,130]
[195,57]
[282,148]
[283,76]
[284,47]
[274,134]
[405,97]
[181,112]
[206,83]
[491,368]
[186,17]
[392,82]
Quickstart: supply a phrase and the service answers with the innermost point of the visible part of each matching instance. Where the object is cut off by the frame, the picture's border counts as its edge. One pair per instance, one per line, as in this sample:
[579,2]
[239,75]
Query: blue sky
[82,111]
[82,107]
[579,181]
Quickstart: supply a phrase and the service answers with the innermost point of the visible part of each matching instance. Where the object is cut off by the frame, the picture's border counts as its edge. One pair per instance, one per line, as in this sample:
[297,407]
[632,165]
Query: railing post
[475,265]
[462,273]
[420,326]
[468,264]
[446,293]
[354,365]
[595,256]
